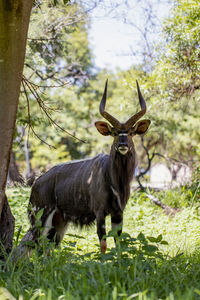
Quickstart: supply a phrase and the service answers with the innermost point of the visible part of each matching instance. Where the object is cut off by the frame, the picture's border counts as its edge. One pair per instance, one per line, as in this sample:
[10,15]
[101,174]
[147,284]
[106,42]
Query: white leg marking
[48,223]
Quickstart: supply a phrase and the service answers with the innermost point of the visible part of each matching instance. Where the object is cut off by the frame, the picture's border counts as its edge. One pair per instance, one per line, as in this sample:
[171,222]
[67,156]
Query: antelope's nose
[123,146]
[123,141]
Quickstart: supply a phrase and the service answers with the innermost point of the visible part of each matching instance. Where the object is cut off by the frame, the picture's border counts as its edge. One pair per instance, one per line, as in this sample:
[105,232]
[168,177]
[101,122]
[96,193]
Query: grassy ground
[158,256]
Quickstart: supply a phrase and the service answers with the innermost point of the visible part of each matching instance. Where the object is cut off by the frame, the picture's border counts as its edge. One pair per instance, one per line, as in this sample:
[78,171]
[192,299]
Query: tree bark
[7,223]
[14,21]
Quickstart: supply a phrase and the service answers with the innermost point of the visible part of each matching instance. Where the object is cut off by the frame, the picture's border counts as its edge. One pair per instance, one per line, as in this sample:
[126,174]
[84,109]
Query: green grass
[158,256]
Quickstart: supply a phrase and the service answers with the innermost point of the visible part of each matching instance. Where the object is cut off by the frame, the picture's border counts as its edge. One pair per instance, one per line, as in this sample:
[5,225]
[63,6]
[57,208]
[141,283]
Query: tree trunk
[14,21]
[7,223]
[27,158]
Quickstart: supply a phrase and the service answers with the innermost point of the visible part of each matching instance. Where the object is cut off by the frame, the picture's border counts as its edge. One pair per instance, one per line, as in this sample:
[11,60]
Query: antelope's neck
[121,172]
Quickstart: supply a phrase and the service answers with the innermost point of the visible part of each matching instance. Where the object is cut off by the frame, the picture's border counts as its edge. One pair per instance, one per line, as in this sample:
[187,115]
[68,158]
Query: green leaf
[159,238]
[150,248]
[155,240]
[152,239]
[141,237]
[39,214]
[164,243]
[125,235]
[75,236]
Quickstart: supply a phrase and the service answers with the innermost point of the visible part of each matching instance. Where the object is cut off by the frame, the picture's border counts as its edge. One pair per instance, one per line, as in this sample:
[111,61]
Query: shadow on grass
[136,269]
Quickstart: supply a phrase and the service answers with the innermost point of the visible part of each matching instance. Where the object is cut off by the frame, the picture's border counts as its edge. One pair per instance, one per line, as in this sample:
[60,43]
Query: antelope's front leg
[117,221]
[101,231]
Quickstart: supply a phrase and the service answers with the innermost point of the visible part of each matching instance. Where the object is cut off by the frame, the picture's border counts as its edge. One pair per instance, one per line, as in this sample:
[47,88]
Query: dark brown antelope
[85,190]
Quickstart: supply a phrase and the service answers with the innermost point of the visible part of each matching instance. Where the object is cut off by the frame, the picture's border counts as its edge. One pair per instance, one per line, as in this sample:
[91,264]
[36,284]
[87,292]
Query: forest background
[62,88]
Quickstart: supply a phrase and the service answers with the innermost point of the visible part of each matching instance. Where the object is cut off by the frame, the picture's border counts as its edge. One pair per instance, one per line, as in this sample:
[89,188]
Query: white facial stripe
[121,134]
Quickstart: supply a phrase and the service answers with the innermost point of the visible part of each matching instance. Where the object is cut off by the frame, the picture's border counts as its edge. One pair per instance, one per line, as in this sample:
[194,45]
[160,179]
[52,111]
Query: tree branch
[33,89]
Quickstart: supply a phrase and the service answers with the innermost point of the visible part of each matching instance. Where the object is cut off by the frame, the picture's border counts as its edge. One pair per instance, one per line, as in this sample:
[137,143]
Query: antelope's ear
[141,126]
[103,127]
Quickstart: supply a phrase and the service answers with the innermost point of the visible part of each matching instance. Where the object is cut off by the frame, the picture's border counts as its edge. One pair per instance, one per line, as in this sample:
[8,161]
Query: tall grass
[157,256]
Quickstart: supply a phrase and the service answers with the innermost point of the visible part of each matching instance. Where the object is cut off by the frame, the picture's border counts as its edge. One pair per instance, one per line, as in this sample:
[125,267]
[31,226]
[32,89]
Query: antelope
[90,189]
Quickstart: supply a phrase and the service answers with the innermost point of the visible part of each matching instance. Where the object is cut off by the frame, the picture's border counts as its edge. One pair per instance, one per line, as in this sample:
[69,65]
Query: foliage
[182,31]
[143,266]
[195,185]
[59,50]
[172,88]
[57,54]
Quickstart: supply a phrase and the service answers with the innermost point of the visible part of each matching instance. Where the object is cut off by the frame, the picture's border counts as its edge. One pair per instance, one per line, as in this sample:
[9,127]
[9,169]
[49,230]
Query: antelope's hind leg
[55,226]
[60,226]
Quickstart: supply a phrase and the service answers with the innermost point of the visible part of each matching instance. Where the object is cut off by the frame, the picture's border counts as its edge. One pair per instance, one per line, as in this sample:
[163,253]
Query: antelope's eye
[131,133]
[115,133]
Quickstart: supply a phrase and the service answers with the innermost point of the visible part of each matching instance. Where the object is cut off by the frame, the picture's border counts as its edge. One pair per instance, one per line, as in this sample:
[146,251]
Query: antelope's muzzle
[123,144]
